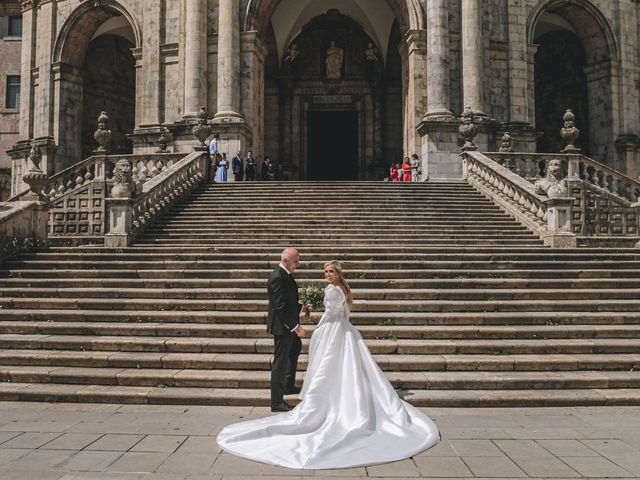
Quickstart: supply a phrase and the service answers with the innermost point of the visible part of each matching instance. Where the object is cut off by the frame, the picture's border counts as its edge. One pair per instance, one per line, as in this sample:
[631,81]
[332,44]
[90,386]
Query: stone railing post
[120,206]
[559,214]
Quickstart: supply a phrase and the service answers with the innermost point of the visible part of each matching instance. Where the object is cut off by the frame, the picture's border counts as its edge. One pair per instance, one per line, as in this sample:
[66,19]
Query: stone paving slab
[158,442]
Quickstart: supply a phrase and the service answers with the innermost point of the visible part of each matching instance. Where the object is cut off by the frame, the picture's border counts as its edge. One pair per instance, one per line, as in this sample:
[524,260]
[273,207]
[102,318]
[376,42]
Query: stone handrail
[547,217]
[129,216]
[606,202]
[100,168]
[576,167]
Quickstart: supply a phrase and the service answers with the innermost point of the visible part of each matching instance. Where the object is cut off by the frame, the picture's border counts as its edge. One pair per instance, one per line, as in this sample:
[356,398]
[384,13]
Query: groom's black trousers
[285,362]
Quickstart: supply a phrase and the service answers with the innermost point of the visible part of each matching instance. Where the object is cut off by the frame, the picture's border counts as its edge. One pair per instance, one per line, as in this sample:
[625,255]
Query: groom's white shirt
[288,273]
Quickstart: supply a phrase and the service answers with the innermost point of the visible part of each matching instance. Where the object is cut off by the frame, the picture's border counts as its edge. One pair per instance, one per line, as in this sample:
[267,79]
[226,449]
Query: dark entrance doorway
[332,145]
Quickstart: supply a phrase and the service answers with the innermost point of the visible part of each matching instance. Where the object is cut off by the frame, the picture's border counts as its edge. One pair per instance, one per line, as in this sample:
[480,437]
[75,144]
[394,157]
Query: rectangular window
[13,91]
[15,27]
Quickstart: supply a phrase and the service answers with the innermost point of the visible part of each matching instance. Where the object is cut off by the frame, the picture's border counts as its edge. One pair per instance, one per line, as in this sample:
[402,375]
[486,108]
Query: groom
[283,321]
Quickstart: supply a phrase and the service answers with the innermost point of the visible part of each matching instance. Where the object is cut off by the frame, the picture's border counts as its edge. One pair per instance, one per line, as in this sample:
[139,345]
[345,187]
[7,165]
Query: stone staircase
[460,305]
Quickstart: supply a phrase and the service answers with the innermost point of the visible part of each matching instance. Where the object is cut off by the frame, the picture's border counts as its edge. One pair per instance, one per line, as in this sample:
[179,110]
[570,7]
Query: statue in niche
[333,61]
[371,53]
[292,53]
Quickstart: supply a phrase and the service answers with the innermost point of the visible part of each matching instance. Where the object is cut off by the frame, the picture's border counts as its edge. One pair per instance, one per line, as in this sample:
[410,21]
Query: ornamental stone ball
[123,180]
[553,185]
[102,135]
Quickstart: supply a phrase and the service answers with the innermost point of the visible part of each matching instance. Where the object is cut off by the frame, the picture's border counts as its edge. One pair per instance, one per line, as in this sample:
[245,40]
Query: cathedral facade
[332,89]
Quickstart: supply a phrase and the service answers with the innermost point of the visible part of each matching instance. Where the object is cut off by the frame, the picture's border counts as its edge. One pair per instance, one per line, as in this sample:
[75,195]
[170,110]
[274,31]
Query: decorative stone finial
[553,185]
[569,132]
[102,135]
[468,130]
[506,143]
[162,142]
[202,130]
[35,178]
[123,179]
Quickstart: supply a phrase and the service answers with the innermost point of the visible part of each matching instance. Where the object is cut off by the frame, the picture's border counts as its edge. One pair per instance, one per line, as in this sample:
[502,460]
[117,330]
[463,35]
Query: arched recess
[386,131]
[575,66]
[94,70]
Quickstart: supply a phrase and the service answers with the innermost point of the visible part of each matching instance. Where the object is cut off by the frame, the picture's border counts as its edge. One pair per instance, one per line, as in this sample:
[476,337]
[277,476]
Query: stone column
[472,56]
[438,86]
[195,59]
[415,87]
[228,62]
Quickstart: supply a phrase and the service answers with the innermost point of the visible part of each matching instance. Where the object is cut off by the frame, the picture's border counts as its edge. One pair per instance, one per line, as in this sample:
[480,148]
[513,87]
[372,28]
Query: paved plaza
[41,441]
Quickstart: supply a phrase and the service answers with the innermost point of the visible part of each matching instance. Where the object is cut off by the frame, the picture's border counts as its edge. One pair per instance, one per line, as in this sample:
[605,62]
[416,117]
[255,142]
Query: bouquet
[313,294]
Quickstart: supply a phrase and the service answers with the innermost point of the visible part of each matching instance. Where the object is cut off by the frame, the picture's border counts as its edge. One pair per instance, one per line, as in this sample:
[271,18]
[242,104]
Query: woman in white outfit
[349,415]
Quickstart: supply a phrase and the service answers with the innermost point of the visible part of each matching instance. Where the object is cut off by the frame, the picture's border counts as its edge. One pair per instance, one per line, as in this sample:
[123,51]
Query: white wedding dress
[349,415]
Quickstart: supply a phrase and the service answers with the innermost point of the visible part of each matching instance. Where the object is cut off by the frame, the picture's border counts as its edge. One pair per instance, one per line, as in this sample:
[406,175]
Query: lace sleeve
[333,300]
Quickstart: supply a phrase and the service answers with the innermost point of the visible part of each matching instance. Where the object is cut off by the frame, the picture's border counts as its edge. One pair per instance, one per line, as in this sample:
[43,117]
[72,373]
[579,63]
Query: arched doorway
[95,71]
[345,125]
[574,69]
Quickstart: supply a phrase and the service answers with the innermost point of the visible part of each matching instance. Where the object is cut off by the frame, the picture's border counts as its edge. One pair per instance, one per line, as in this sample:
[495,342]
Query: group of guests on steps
[242,168]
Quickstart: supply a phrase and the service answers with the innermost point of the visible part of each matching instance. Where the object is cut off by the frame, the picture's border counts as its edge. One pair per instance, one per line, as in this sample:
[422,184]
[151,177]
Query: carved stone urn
[123,180]
[35,178]
[506,147]
[102,135]
[202,130]
[468,130]
[569,132]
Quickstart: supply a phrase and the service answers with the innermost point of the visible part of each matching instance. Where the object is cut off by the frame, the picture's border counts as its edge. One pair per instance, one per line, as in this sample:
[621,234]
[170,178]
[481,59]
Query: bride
[349,415]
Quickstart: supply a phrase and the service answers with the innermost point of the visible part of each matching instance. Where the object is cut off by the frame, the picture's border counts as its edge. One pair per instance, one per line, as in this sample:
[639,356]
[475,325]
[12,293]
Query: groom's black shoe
[281,407]
[292,390]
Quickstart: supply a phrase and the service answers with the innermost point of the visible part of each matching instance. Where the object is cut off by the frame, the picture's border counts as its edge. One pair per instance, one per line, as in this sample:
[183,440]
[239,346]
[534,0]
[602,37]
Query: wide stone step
[386,319]
[260,283]
[313,275]
[243,331]
[265,345]
[362,295]
[445,305]
[262,361]
[254,397]
[248,379]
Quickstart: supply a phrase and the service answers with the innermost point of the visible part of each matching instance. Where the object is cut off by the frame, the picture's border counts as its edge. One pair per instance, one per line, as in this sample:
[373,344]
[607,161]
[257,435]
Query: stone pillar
[29,31]
[148,68]
[438,86]
[415,86]
[195,64]
[472,56]
[228,62]
[253,51]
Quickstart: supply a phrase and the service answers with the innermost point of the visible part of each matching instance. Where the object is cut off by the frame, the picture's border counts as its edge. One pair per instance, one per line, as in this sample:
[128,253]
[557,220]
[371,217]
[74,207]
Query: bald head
[290,258]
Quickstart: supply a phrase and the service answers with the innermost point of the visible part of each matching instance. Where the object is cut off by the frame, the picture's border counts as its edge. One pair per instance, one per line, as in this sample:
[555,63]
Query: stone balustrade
[606,205]
[77,194]
[548,217]
[129,216]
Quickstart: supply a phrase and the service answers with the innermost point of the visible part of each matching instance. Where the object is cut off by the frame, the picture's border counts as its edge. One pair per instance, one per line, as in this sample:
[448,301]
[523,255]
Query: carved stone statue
[292,53]
[553,185]
[123,186]
[371,53]
[333,61]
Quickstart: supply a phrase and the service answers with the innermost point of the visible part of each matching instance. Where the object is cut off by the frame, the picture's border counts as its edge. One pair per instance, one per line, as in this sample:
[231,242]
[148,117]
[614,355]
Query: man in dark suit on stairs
[283,322]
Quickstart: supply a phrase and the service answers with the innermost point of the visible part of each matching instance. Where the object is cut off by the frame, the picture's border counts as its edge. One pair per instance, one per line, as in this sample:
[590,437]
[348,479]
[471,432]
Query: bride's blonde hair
[341,280]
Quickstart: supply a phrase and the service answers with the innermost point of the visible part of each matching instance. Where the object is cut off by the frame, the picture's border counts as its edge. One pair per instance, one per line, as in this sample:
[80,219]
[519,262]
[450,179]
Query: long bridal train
[349,415]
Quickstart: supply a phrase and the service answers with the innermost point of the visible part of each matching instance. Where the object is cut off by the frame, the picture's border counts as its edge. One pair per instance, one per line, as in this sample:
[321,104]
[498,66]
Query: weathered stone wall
[167,80]
[10,50]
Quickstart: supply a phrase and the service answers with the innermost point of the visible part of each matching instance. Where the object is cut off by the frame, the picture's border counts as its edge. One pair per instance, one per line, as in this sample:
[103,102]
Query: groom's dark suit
[283,317]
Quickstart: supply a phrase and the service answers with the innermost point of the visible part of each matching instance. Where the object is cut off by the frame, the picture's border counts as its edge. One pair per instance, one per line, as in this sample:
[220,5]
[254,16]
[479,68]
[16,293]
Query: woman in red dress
[394,174]
[406,170]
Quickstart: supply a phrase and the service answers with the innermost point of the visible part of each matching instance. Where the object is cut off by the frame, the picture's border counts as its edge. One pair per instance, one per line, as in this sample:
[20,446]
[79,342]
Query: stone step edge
[244,397]
[251,379]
